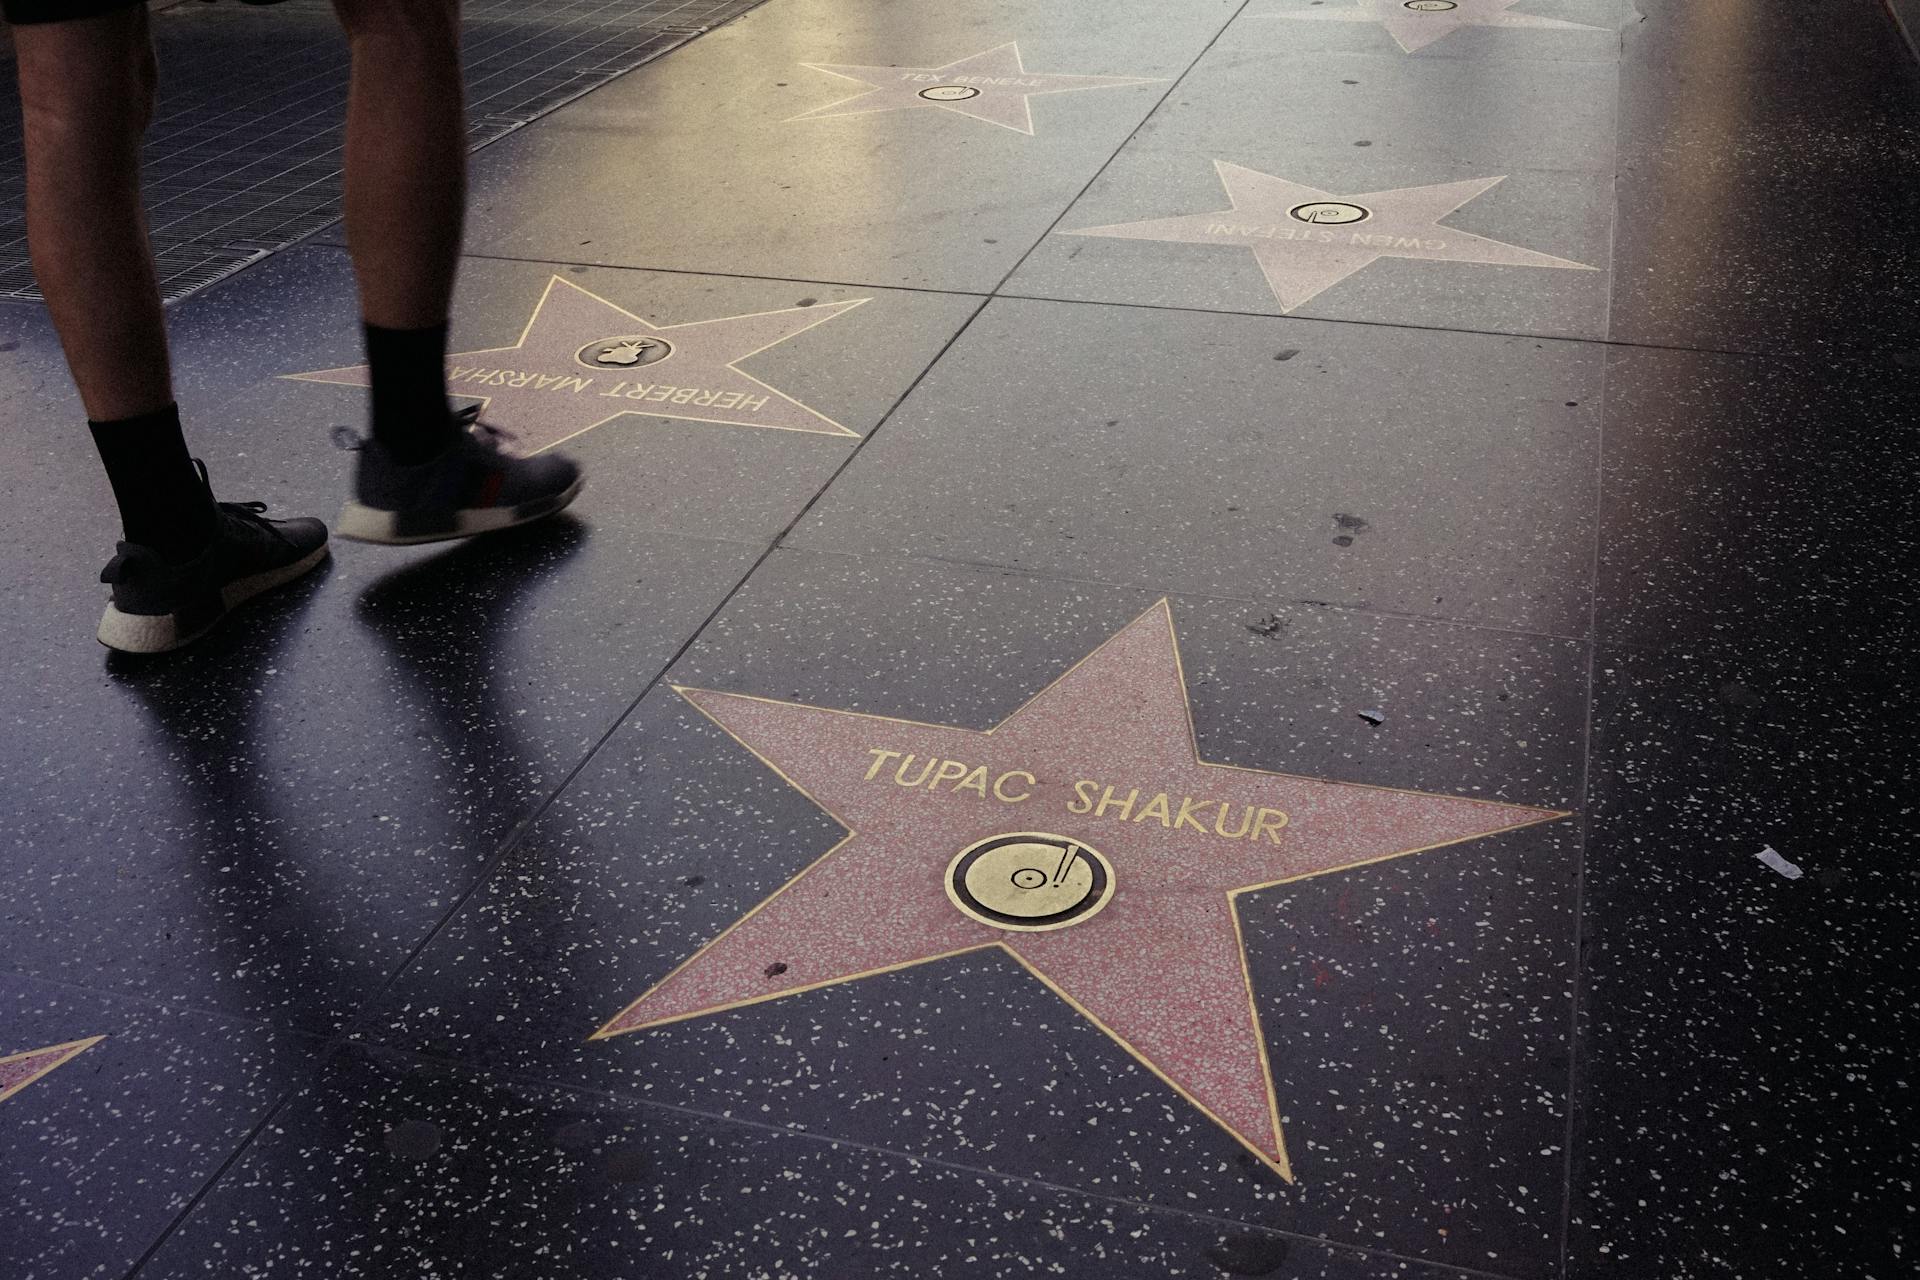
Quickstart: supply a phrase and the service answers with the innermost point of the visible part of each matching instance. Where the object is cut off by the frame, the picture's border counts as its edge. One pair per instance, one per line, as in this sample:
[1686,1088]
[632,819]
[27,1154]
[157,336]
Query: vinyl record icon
[1335,212]
[1029,881]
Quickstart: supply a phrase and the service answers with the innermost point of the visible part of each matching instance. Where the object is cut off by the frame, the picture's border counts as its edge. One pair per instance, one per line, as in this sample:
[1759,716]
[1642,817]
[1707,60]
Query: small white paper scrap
[1778,863]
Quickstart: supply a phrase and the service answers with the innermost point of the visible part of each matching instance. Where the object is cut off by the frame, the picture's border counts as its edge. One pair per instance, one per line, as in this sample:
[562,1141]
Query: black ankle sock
[408,370]
[163,504]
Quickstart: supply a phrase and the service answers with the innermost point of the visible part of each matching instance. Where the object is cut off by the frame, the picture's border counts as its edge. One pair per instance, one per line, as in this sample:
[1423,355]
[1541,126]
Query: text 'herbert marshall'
[656,392]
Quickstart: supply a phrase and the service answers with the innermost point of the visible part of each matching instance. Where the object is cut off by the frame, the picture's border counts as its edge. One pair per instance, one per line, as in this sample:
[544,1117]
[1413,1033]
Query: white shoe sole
[161,633]
[360,523]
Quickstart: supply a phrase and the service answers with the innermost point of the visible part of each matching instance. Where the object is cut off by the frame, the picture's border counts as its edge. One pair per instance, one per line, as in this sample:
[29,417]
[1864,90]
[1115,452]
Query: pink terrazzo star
[1104,757]
[582,362]
[19,1070]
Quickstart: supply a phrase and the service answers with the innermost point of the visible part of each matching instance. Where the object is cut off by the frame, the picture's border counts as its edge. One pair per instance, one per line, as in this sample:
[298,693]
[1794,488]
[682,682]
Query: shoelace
[254,513]
[466,418]
[495,438]
[245,510]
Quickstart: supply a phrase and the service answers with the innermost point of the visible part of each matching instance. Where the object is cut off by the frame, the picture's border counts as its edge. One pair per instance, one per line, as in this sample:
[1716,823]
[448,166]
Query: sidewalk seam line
[532,1081]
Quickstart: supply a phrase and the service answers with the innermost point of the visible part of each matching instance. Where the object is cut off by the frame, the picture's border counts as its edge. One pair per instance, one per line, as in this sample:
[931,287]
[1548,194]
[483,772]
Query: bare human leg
[86,93]
[406,157]
[405,203]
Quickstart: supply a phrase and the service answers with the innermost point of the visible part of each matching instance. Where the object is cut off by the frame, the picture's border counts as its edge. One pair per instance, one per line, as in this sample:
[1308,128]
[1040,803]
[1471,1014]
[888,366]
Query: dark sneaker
[473,487]
[159,606]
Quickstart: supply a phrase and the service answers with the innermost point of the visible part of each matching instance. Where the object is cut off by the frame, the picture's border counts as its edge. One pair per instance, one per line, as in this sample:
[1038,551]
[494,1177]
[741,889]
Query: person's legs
[86,92]
[406,188]
[422,477]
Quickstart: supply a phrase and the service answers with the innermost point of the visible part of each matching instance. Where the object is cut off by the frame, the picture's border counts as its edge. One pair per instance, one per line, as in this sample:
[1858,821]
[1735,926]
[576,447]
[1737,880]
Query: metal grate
[244,154]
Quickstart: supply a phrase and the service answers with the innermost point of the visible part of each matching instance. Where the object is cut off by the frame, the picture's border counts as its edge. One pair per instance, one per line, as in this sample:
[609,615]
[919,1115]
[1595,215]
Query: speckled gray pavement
[389,933]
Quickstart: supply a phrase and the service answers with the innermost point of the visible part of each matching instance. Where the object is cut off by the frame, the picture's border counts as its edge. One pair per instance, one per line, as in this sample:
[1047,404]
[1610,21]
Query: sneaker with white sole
[159,605]
[474,486]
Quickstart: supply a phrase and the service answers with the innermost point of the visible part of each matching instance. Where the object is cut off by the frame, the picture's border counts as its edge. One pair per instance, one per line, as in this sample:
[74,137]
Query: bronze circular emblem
[1431,6]
[950,93]
[1029,881]
[1329,212]
[629,351]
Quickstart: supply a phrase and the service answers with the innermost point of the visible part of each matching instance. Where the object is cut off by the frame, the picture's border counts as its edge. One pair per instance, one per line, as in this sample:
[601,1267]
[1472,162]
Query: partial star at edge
[19,1070]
